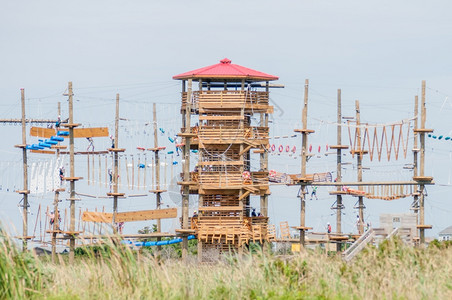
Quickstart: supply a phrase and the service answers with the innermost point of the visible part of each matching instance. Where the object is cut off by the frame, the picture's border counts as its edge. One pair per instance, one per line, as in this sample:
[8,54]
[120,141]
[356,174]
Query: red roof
[226,70]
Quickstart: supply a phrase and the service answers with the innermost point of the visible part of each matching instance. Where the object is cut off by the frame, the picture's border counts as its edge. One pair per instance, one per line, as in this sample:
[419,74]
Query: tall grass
[392,271]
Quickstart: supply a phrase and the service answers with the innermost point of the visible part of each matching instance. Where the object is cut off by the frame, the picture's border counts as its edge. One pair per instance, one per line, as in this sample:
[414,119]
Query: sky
[377,52]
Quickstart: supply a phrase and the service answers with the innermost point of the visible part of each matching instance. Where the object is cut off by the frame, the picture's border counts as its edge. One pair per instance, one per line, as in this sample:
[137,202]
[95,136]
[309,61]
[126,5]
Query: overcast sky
[376,51]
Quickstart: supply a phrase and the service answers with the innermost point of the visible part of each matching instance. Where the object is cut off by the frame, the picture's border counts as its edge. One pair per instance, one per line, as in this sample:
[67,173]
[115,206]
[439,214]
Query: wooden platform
[73,199]
[156,149]
[424,226]
[23,192]
[423,178]
[70,125]
[304,130]
[72,232]
[340,147]
[157,191]
[362,152]
[338,237]
[422,130]
[116,149]
[55,231]
[301,228]
[337,193]
[29,237]
[20,146]
[72,178]
[116,194]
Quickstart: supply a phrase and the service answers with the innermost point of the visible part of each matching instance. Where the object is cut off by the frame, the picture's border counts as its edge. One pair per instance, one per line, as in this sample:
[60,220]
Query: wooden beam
[131,216]
[220,163]
[245,150]
[144,215]
[99,217]
[85,152]
[244,195]
[42,151]
[228,118]
[220,208]
[78,132]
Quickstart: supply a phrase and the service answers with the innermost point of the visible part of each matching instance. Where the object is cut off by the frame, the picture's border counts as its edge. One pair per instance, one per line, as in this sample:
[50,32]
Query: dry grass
[392,271]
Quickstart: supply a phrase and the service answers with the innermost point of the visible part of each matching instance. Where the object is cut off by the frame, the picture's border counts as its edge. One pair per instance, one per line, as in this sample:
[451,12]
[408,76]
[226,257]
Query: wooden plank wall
[141,215]
[78,132]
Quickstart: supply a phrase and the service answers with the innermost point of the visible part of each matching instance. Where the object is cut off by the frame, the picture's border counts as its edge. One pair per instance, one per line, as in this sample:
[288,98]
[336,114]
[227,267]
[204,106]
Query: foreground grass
[391,271]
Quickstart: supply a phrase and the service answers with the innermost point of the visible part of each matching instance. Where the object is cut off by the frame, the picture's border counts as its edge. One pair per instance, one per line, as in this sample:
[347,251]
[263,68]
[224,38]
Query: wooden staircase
[358,245]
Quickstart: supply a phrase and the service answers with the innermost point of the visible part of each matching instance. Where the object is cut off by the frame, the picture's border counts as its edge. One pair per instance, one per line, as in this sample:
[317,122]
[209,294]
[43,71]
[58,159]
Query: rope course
[372,138]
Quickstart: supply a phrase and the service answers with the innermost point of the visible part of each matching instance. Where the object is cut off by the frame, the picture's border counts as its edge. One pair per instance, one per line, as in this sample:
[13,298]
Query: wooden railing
[226,179]
[229,134]
[219,98]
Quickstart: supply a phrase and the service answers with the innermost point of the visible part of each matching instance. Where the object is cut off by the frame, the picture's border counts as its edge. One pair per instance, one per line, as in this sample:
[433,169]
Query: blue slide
[159,243]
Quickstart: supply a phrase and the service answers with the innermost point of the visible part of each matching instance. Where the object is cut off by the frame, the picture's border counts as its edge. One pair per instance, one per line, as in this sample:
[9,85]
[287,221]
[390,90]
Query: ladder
[358,245]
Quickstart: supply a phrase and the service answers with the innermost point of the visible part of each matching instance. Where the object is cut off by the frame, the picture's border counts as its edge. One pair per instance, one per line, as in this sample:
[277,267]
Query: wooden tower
[225,124]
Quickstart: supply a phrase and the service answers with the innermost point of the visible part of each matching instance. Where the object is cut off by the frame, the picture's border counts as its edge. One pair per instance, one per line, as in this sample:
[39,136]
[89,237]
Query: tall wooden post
[186,165]
[304,143]
[116,159]
[415,159]
[25,169]
[422,167]
[157,168]
[72,172]
[339,168]
[360,169]
[56,223]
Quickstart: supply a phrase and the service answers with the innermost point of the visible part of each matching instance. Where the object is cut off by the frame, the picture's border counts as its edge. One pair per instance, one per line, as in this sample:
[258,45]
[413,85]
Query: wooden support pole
[115,172]
[339,169]
[72,173]
[415,204]
[56,223]
[422,168]
[157,167]
[360,170]
[186,166]
[88,171]
[25,171]
[158,197]
[304,142]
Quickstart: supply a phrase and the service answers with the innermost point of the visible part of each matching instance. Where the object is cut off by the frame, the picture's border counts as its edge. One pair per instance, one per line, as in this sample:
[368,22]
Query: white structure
[446,234]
